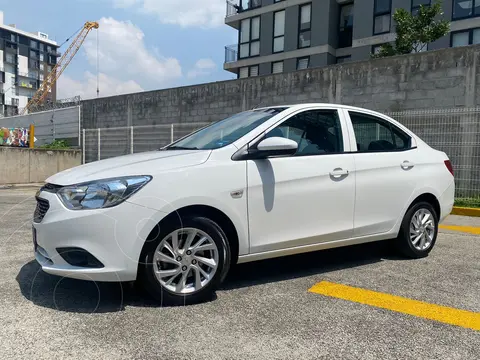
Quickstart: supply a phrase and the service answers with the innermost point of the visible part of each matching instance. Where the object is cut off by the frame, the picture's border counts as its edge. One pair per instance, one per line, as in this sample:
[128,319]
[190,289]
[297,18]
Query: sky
[143,44]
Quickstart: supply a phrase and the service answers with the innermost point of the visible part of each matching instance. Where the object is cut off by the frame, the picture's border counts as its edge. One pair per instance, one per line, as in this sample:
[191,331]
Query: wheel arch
[429,198]
[207,211]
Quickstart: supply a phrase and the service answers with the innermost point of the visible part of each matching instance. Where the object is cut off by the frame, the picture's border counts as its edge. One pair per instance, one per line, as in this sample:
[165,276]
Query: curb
[466,211]
[20,186]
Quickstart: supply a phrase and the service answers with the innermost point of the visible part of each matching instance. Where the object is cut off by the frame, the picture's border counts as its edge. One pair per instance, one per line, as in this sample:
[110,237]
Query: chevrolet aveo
[260,184]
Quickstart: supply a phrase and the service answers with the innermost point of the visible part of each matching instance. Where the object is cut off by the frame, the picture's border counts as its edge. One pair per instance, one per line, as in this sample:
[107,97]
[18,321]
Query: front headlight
[102,193]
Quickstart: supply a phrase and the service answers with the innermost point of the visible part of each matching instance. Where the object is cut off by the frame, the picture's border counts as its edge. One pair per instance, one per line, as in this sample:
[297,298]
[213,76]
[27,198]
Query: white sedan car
[260,184]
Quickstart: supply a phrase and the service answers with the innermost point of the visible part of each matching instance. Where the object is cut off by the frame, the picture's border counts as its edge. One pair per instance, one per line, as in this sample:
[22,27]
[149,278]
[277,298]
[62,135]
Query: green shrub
[57,144]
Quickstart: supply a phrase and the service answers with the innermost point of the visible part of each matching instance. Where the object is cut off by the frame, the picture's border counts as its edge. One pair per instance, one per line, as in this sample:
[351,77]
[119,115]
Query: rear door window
[375,134]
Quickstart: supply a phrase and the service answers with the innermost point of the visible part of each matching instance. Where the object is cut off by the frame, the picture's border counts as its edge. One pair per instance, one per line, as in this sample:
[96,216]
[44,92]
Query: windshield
[225,132]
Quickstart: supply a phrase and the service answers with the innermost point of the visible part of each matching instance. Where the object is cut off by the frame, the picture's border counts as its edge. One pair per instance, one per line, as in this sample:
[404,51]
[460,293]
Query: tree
[414,32]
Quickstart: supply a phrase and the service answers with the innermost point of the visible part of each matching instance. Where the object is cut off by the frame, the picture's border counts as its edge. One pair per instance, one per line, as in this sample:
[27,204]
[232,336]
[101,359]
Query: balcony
[11,59]
[33,64]
[231,53]
[54,53]
[11,102]
[27,85]
[28,75]
[11,48]
[235,7]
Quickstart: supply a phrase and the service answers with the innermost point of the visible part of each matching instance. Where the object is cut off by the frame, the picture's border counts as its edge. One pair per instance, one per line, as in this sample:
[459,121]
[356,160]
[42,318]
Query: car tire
[418,232]
[153,266]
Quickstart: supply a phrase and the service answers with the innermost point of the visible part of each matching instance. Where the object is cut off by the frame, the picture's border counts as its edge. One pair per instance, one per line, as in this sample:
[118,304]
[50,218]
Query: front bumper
[114,236]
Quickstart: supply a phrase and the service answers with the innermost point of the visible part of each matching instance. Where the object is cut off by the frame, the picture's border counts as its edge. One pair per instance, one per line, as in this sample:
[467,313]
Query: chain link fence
[457,133]
[99,144]
[454,131]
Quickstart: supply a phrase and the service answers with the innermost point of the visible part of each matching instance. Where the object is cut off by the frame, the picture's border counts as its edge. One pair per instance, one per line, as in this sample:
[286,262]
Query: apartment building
[25,61]
[277,36]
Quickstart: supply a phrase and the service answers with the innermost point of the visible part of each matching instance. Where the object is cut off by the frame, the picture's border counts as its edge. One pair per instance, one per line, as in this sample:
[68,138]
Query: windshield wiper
[181,148]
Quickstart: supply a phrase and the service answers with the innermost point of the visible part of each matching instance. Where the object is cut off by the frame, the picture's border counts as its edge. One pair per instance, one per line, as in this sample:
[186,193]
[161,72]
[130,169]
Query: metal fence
[457,133]
[105,143]
[454,131]
[60,124]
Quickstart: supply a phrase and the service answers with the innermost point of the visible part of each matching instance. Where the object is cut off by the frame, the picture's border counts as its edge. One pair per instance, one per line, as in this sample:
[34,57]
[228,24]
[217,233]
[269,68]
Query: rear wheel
[186,263]
[418,231]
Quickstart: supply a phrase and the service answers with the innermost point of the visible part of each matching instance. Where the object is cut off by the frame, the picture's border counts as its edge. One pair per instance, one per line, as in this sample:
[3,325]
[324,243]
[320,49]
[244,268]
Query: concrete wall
[23,166]
[436,79]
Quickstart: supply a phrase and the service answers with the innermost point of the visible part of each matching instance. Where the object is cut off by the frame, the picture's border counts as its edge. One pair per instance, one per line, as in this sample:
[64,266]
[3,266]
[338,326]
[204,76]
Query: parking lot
[264,310]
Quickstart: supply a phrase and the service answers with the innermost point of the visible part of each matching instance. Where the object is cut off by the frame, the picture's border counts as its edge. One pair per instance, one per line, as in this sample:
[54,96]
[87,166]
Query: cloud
[202,67]
[122,50]
[87,87]
[186,13]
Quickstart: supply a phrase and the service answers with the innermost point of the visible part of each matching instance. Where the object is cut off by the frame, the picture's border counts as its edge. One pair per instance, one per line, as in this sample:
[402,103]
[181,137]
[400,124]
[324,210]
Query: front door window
[316,132]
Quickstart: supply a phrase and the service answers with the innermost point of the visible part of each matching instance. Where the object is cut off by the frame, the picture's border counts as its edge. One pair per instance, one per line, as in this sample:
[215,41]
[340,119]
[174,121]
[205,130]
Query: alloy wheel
[422,229]
[185,261]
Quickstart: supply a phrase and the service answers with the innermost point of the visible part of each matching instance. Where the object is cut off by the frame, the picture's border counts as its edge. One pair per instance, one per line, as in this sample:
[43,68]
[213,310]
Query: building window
[304,26]
[41,77]
[465,9]
[250,37]
[464,38]
[382,16]
[248,71]
[41,57]
[10,58]
[41,66]
[33,44]
[277,67]
[303,63]
[13,37]
[49,68]
[250,4]
[345,30]
[278,31]
[416,5]
[343,59]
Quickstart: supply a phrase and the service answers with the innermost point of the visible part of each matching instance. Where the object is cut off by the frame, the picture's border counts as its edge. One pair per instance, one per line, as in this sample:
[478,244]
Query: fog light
[79,257]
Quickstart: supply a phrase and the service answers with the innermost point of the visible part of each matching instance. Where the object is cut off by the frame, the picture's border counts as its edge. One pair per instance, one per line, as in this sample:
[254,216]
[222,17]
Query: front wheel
[186,262]
[418,231]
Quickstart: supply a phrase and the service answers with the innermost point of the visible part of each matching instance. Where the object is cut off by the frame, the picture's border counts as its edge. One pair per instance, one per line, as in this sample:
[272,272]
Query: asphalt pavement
[263,311]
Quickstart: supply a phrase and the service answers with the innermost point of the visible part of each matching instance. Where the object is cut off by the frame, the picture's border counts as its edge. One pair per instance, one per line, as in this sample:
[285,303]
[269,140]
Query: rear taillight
[449,166]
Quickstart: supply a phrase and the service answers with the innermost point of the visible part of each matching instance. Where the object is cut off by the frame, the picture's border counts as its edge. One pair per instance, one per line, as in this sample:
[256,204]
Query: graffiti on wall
[14,137]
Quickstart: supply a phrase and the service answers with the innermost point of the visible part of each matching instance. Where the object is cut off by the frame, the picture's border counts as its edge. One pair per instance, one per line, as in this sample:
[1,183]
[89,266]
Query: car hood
[148,163]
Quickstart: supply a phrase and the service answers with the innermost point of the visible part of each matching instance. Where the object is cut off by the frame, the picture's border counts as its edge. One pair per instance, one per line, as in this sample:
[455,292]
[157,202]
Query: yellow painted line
[463,318]
[465,229]
[465,211]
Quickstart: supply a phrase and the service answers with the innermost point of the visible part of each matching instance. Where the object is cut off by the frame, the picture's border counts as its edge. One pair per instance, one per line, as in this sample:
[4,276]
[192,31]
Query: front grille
[50,188]
[42,208]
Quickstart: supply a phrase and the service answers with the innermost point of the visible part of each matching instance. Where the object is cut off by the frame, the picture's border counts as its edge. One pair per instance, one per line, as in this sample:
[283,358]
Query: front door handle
[338,172]
[407,165]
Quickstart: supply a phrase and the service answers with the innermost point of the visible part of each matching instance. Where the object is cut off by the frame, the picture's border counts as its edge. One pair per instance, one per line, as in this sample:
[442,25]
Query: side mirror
[274,146]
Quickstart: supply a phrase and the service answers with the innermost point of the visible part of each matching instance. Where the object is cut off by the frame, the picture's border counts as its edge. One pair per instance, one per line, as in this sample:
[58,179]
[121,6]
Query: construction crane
[48,83]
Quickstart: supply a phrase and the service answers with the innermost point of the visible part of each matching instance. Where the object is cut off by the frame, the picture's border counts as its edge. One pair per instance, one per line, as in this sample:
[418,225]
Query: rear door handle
[406,165]
[338,172]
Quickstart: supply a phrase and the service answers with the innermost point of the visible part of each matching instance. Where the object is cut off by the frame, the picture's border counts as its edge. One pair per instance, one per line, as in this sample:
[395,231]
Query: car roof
[307,105]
